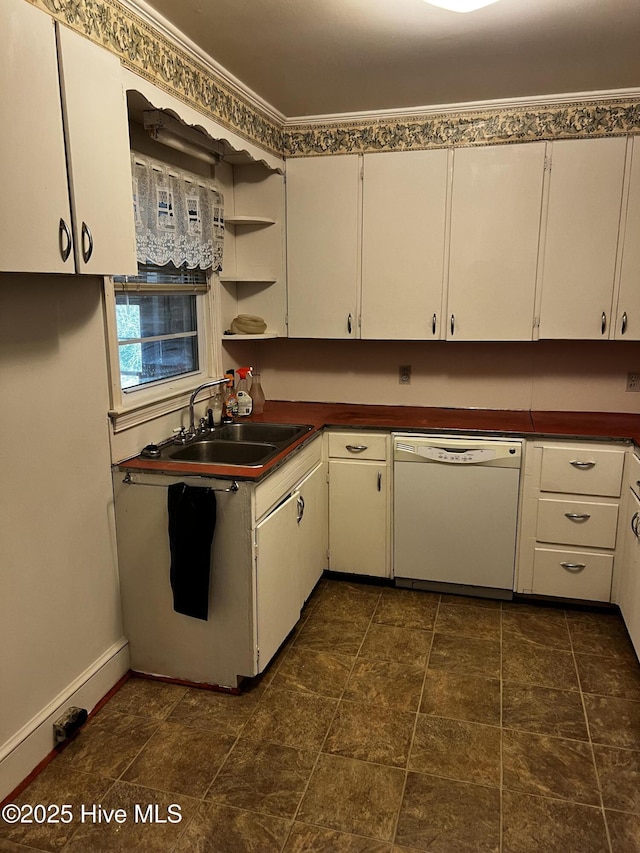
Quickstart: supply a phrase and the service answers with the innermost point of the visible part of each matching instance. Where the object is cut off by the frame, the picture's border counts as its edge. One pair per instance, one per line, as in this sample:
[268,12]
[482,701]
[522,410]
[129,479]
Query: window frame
[130,408]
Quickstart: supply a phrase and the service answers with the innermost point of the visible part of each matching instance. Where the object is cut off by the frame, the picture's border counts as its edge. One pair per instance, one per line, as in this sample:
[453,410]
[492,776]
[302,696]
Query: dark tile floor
[390,721]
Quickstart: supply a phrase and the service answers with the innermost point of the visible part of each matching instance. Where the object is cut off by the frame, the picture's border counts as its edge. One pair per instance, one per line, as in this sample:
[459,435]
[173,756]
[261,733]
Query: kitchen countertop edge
[519,423]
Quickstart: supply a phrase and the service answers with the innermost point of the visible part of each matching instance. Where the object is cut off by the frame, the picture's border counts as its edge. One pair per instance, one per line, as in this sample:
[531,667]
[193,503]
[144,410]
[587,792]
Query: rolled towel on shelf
[248,324]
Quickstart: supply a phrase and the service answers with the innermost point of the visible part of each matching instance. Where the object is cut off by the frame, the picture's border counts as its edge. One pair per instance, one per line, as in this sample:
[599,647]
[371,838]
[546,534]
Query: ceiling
[317,57]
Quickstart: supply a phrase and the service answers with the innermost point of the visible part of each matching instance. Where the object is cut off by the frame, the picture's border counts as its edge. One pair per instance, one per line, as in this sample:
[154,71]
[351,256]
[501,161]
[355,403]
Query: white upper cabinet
[627,324]
[403,244]
[41,230]
[323,246]
[97,136]
[35,216]
[581,238]
[495,227]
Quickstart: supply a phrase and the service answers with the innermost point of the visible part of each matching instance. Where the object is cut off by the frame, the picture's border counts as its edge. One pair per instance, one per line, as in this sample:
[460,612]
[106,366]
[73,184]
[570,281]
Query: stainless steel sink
[251,444]
[223,452]
[269,433]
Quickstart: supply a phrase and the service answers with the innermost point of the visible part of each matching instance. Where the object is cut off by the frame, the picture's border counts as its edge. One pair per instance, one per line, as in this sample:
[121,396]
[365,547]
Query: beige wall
[563,375]
[59,606]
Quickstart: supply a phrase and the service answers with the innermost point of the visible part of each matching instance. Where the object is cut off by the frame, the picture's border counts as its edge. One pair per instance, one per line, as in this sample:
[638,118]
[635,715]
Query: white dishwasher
[456,513]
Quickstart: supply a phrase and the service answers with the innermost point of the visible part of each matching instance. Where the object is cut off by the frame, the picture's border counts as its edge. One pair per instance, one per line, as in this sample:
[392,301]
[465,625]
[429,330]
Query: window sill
[133,416]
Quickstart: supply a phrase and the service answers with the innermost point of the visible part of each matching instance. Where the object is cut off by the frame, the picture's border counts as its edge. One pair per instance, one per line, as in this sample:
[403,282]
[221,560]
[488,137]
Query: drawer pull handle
[583,465]
[574,567]
[356,448]
[578,516]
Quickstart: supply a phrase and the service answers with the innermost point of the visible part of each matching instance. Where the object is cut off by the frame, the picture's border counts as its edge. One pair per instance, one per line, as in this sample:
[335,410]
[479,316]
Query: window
[157,324]
[160,322]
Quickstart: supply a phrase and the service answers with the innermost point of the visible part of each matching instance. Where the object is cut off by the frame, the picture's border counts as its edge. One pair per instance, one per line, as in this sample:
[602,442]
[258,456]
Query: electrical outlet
[633,381]
[404,374]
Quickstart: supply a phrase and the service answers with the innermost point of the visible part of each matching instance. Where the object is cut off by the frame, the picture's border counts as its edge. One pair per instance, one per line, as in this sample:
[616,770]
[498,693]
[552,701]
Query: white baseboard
[29,746]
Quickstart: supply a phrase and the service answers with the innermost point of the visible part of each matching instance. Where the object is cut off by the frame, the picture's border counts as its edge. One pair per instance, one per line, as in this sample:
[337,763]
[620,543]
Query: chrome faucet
[213,384]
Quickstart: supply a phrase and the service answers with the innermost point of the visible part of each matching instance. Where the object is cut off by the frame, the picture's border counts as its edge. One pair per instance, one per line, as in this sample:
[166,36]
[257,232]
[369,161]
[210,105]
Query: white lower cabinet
[569,522]
[290,555]
[277,586]
[269,549]
[290,547]
[629,587]
[359,503]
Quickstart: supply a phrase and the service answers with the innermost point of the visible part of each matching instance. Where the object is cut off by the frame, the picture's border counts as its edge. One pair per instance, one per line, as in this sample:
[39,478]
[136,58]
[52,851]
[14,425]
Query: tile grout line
[333,716]
[203,799]
[415,723]
[586,718]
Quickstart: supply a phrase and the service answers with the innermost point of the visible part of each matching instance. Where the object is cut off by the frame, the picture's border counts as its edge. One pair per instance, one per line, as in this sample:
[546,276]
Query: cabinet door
[495,226]
[35,203]
[627,325]
[277,580]
[359,518]
[581,239]
[97,131]
[323,246]
[629,595]
[403,244]
[312,529]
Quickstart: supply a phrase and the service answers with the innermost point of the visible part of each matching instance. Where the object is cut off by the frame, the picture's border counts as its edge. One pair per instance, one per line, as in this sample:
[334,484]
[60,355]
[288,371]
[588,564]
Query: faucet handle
[181,435]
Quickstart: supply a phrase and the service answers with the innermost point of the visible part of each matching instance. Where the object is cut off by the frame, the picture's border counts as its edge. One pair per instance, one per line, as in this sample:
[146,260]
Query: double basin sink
[248,444]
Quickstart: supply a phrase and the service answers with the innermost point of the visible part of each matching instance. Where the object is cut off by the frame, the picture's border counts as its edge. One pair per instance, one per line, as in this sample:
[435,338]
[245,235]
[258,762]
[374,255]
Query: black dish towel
[192,521]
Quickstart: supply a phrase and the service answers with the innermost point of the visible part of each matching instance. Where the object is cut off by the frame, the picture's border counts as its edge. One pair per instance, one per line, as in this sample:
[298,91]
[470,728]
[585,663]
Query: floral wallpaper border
[148,53]
[482,127]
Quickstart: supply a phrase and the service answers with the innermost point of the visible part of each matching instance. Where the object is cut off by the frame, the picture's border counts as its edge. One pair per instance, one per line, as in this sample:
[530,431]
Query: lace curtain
[179,216]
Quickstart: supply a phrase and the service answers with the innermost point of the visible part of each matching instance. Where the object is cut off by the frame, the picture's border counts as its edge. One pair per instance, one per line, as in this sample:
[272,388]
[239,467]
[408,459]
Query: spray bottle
[245,403]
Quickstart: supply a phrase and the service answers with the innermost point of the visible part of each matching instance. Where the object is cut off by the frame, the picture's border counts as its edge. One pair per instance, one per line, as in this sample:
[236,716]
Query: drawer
[582,471]
[584,574]
[593,525]
[358,445]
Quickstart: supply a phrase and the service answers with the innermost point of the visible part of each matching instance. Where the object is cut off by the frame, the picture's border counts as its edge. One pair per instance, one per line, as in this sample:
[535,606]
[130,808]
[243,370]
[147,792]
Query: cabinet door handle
[380,482]
[623,327]
[64,240]
[433,325]
[300,509]
[603,324]
[574,567]
[582,465]
[356,448]
[349,324]
[453,323]
[578,516]
[634,524]
[87,242]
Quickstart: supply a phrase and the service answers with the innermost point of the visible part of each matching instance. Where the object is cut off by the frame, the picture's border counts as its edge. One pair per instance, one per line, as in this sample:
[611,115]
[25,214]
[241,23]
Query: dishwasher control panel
[458,450]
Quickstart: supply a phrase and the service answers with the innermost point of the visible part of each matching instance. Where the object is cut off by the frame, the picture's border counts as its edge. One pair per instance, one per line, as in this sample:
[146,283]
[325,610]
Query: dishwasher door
[455,513]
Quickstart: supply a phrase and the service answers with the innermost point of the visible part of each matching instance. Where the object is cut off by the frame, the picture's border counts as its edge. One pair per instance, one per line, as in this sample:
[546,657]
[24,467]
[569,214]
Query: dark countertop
[586,425]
